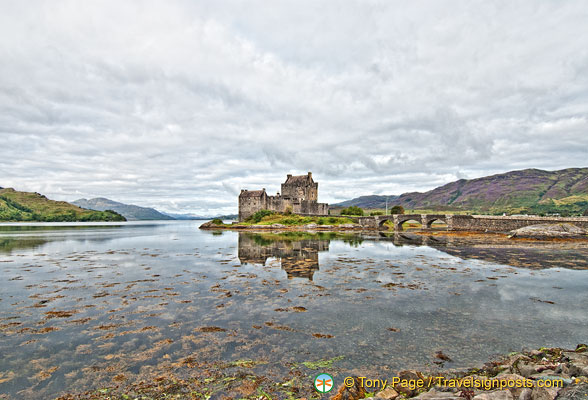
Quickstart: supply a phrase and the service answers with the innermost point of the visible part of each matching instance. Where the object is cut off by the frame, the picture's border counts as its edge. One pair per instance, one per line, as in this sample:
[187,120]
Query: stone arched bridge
[485,223]
[426,220]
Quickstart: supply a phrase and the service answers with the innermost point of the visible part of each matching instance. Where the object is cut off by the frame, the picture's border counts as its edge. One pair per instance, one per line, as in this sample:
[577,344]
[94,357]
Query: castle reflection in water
[298,253]
[299,258]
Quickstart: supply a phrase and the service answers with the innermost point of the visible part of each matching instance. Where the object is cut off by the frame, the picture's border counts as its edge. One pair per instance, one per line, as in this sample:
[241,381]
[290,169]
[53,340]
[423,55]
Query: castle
[299,195]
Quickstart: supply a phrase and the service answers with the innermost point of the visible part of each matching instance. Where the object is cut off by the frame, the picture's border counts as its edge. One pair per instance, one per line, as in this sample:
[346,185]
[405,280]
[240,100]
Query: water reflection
[297,252]
[36,235]
[298,257]
[8,245]
[498,249]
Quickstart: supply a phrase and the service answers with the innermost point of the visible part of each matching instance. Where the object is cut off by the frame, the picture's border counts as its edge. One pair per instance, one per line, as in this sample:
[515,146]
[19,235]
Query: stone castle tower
[299,194]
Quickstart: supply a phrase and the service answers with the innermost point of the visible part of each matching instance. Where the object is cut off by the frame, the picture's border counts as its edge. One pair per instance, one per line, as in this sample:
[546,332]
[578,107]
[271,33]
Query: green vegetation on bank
[352,210]
[266,217]
[397,210]
[18,206]
[393,210]
[561,207]
[260,215]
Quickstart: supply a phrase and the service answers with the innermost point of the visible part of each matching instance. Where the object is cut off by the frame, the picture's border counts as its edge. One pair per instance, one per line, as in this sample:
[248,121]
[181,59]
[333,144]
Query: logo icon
[323,383]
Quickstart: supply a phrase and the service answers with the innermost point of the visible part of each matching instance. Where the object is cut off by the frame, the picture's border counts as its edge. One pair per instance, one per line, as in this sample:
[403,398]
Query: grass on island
[26,206]
[266,217]
[294,220]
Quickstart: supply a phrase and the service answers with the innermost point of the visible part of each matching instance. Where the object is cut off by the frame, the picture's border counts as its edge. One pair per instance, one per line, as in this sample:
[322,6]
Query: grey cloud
[179,105]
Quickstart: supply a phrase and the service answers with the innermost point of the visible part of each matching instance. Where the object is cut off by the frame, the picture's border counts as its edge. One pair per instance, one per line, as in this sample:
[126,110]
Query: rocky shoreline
[543,374]
[548,231]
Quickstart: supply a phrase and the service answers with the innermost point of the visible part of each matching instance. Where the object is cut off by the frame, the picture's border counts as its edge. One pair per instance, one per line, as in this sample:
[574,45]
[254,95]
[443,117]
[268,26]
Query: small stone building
[299,194]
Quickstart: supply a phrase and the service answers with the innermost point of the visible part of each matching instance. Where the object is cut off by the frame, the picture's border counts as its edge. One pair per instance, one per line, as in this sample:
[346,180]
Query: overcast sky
[180,104]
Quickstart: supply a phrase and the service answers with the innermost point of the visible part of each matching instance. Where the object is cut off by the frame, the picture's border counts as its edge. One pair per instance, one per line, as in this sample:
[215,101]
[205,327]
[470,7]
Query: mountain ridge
[530,190]
[130,211]
[187,217]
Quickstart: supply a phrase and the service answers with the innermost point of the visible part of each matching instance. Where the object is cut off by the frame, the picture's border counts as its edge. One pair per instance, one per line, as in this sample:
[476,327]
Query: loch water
[83,306]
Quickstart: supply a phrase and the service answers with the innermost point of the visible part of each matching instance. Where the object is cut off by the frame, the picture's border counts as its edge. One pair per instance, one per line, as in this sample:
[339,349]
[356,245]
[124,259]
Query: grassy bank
[293,220]
[18,206]
[266,218]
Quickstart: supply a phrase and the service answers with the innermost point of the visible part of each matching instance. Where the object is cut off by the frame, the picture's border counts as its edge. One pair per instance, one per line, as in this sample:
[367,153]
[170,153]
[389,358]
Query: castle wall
[313,193]
[250,205]
[311,207]
[277,204]
[290,191]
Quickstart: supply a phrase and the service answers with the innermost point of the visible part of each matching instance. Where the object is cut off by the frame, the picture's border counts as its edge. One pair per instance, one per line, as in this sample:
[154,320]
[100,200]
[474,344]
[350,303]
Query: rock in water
[388,394]
[546,231]
[496,395]
[442,356]
[435,395]
[541,393]
[354,392]
[574,392]
[525,394]
[581,348]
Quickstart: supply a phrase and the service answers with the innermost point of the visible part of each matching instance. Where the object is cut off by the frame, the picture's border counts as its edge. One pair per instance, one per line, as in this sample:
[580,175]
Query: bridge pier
[425,225]
[369,222]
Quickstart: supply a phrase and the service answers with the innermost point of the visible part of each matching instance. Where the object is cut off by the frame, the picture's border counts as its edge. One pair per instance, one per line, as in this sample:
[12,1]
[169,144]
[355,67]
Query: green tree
[397,210]
[352,210]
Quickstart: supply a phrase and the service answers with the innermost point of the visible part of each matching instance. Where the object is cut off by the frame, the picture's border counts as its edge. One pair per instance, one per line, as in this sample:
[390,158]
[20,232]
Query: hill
[183,216]
[200,217]
[28,206]
[129,211]
[530,191]
[372,201]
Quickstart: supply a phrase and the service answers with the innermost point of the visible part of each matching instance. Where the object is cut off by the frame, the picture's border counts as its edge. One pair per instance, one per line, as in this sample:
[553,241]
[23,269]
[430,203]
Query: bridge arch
[431,220]
[403,218]
[383,219]
[424,220]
